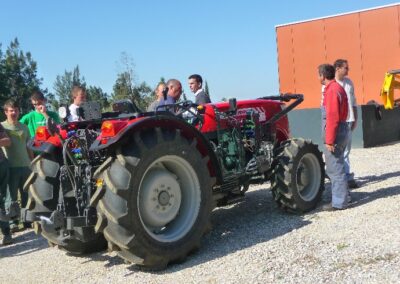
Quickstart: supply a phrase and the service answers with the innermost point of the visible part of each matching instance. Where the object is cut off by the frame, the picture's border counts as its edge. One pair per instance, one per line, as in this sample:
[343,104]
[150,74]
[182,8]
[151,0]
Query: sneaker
[352,203]
[349,199]
[352,183]
[7,240]
[330,208]
[15,227]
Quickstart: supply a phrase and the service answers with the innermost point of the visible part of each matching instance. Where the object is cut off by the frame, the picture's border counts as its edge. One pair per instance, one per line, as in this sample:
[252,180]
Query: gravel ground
[255,242]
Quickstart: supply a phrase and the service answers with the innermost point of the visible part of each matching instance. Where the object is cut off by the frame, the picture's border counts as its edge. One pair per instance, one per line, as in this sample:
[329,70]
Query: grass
[342,246]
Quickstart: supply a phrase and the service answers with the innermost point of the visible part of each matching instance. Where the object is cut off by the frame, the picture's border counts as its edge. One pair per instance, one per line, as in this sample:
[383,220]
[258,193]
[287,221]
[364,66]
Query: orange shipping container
[368,39]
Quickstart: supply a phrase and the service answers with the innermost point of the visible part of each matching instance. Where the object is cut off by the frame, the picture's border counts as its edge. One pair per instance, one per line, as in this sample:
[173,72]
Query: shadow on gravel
[365,180]
[255,220]
[24,243]
[104,257]
[361,198]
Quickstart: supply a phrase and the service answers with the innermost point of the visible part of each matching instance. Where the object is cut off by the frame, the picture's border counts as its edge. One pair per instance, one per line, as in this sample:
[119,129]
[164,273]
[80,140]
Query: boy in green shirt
[18,155]
[38,117]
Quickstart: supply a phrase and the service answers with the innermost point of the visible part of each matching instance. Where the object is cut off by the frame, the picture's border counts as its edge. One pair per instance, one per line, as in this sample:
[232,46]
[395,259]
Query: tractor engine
[259,151]
[76,174]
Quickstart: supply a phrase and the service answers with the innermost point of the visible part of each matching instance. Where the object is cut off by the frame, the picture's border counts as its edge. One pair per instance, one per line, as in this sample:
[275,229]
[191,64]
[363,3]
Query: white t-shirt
[73,113]
[348,86]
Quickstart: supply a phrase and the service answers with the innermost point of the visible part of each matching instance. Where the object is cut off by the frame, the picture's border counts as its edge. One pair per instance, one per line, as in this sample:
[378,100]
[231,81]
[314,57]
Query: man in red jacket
[335,135]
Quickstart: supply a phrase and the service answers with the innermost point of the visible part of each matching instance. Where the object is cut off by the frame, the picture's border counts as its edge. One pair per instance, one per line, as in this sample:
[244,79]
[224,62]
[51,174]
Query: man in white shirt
[341,72]
[78,96]
[195,84]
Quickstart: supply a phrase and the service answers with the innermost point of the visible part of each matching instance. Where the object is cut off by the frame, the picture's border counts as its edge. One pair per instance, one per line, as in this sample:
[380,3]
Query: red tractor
[145,183]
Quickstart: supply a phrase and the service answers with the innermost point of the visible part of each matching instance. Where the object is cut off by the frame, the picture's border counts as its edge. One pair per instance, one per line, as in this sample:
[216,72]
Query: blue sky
[232,44]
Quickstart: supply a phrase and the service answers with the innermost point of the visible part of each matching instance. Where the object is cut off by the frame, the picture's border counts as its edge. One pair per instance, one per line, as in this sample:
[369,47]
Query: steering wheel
[188,108]
[184,106]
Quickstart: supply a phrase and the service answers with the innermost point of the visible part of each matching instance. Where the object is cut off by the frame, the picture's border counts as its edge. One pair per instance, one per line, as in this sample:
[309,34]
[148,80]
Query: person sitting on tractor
[195,85]
[174,92]
[78,96]
[159,95]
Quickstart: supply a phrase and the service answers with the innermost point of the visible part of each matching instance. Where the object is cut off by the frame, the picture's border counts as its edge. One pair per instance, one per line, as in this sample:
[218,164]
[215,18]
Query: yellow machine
[390,84]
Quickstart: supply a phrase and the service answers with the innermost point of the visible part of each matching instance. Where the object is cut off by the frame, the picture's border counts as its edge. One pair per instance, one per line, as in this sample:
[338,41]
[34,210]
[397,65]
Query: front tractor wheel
[157,199]
[298,177]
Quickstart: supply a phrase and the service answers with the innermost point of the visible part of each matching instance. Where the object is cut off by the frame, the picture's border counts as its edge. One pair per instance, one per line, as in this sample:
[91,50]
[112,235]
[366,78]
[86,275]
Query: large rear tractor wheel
[298,177]
[157,198]
[43,187]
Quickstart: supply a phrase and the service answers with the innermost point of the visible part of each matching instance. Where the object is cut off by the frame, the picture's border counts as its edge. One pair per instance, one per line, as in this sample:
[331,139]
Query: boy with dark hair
[38,117]
[18,155]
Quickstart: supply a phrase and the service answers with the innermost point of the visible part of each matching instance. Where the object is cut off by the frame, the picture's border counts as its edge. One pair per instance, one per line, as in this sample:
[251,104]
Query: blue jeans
[349,175]
[4,226]
[335,169]
[335,165]
[17,178]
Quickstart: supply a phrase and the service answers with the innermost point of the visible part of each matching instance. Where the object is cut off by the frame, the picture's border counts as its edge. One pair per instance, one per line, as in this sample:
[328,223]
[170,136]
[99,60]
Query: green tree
[125,89]
[153,93]
[77,80]
[96,94]
[3,87]
[126,86]
[64,84]
[52,101]
[206,90]
[18,75]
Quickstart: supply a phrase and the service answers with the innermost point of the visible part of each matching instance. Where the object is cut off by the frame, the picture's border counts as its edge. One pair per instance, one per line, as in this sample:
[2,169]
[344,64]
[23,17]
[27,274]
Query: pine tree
[96,94]
[206,90]
[126,86]
[18,76]
[64,84]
